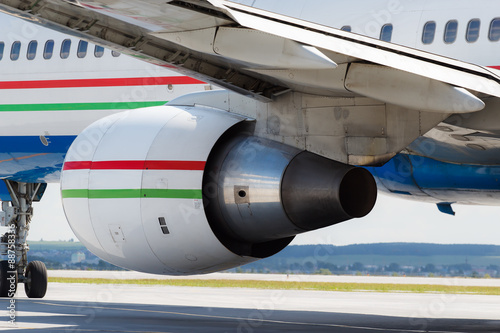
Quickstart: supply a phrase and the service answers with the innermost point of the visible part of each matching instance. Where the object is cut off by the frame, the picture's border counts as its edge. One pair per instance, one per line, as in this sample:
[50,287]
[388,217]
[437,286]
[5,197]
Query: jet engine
[187,190]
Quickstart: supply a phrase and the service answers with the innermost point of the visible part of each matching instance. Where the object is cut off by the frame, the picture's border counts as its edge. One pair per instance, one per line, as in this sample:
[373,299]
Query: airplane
[324,102]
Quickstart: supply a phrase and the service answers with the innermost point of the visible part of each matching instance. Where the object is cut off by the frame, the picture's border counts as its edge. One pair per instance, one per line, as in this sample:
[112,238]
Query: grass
[279,285]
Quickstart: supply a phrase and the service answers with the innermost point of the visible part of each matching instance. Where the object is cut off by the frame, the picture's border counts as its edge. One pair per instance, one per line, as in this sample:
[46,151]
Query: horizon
[344,245]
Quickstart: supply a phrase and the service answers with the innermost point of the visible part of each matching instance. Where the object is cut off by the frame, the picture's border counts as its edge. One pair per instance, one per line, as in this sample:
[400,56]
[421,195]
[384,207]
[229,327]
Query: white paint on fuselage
[56,68]
[22,123]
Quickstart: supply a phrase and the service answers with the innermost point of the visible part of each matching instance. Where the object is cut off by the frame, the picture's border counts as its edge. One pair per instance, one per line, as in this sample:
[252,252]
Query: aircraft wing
[263,54]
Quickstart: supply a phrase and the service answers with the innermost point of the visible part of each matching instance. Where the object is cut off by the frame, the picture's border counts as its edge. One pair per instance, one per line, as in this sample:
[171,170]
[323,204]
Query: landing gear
[14,266]
[35,279]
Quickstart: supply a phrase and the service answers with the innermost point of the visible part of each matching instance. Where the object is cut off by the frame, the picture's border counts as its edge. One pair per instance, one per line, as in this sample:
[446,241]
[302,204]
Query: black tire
[8,280]
[35,279]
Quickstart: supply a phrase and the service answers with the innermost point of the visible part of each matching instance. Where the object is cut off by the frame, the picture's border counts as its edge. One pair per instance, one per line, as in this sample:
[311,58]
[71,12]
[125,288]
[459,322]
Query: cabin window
[65,48]
[494,34]
[31,53]
[2,47]
[386,33]
[15,51]
[48,50]
[82,49]
[98,51]
[346,28]
[429,32]
[472,33]
[115,54]
[450,31]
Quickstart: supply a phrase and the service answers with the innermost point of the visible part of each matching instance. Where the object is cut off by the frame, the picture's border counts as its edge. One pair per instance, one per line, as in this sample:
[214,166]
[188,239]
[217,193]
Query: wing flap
[409,90]
[256,49]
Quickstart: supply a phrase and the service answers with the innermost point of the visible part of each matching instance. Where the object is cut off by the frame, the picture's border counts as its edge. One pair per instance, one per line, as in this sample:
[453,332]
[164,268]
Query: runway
[133,308]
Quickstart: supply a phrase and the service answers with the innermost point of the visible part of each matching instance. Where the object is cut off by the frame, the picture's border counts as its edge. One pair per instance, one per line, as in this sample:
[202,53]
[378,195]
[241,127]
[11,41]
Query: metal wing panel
[160,15]
[428,65]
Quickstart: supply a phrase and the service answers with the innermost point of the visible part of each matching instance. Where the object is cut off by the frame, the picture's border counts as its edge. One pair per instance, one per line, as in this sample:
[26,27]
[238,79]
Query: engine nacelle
[187,190]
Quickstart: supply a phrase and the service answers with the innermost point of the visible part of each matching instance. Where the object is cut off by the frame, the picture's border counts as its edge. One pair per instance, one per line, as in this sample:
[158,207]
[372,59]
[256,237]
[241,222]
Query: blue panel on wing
[396,176]
[432,174]
[4,192]
[423,178]
[33,159]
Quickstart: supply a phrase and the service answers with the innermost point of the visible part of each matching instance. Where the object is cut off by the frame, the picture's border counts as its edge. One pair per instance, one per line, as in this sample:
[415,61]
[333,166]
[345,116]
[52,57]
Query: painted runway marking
[245,319]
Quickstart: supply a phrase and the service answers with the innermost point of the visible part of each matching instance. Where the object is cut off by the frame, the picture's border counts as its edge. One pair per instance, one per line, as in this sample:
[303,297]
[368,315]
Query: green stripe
[112,194]
[133,193]
[173,194]
[78,106]
[75,193]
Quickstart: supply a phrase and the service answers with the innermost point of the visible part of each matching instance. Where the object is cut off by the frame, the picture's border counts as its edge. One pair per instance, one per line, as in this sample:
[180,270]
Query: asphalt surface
[132,308]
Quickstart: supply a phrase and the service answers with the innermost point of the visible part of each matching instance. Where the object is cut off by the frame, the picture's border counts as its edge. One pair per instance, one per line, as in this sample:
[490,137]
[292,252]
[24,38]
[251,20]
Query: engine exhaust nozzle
[257,190]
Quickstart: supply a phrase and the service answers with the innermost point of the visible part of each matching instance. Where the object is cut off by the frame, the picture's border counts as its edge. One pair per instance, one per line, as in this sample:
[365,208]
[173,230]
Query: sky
[392,220]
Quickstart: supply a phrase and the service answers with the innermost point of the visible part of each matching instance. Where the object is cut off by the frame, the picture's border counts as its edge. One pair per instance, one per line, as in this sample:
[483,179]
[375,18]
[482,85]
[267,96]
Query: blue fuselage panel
[33,159]
[431,180]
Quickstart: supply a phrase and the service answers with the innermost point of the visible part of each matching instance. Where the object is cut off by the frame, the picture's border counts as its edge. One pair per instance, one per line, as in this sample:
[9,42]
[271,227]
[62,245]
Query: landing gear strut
[14,266]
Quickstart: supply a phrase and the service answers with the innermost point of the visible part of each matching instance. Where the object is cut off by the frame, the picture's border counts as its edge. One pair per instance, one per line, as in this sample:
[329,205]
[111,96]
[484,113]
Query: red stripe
[175,165]
[77,165]
[135,165]
[84,83]
[117,165]
[494,67]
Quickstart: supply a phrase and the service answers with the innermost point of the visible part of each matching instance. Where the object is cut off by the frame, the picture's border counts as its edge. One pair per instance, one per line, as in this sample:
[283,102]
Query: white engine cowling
[188,190]
[139,205]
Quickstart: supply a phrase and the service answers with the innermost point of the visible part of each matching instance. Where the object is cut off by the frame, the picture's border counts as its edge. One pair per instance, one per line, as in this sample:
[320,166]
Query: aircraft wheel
[35,283]
[8,280]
